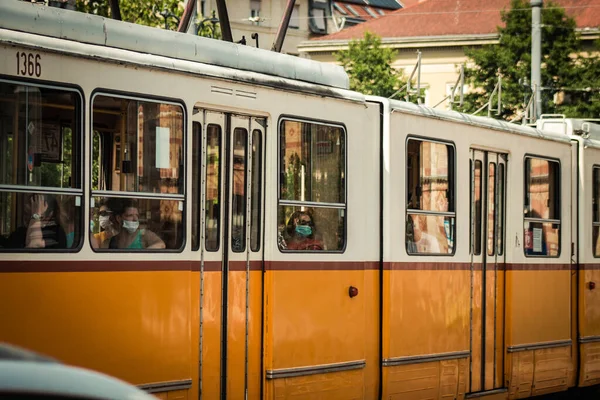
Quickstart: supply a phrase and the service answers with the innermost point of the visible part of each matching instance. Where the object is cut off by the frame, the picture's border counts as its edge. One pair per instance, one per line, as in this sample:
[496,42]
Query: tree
[156,13]
[368,65]
[562,65]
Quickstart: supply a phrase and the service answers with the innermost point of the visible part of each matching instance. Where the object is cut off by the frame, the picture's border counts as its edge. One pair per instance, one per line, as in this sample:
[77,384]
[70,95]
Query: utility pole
[536,57]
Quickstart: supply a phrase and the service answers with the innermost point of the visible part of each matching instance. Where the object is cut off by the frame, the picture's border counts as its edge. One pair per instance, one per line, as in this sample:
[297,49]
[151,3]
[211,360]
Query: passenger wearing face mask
[107,227]
[301,233]
[130,235]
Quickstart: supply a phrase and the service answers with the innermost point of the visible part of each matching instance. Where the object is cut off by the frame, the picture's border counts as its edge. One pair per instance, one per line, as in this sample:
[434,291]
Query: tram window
[138,154]
[312,192]
[542,208]
[255,214]
[238,205]
[491,200]
[500,238]
[596,211]
[40,167]
[125,223]
[478,219]
[430,227]
[196,157]
[213,187]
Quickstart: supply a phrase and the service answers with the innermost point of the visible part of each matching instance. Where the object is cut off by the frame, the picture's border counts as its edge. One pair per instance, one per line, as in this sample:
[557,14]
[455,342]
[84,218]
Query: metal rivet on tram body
[592,285]
[352,291]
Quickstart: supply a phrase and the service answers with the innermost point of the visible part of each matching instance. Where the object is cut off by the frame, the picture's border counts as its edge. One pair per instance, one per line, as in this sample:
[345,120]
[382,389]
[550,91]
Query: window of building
[542,207]
[430,213]
[137,173]
[295,18]
[596,211]
[40,168]
[352,10]
[370,12]
[255,10]
[312,186]
[318,10]
[340,9]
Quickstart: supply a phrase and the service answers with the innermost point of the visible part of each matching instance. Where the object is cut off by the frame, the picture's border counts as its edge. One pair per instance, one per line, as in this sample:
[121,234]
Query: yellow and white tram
[209,220]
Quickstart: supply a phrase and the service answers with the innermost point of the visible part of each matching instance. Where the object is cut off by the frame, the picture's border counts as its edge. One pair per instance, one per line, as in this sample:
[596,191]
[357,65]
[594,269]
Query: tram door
[233,198]
[488,183]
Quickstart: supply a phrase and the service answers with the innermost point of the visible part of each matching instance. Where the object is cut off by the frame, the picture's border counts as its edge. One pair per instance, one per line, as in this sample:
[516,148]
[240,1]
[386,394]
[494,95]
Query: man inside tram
[130,235]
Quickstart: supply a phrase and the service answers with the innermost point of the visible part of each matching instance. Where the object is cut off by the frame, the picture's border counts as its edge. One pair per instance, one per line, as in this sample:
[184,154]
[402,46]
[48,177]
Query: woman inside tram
[301,233]
[130,235]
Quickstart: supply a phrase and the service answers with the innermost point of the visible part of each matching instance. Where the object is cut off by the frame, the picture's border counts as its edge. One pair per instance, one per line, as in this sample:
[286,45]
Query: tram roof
[473,120]
[92,29]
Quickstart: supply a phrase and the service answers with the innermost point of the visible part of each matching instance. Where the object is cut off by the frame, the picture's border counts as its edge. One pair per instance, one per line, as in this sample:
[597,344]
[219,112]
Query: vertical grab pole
[248,244]
[472,260]
[202,217]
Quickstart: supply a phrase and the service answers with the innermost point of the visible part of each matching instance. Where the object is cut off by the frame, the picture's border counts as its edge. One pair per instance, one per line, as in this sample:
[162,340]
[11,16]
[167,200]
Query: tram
[208,220]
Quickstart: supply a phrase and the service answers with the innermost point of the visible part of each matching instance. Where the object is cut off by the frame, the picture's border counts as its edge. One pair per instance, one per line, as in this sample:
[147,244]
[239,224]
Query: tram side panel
[538,316]
[123,314]
[426,279]
[589,271]
[321,293]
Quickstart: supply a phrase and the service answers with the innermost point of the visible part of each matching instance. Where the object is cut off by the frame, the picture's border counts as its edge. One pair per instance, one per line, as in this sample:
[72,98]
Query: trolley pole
[536,56]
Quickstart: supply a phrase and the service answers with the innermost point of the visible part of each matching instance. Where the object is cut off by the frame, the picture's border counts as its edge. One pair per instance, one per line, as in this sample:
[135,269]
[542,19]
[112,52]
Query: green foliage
[368,65]
[157,13]
[562,67]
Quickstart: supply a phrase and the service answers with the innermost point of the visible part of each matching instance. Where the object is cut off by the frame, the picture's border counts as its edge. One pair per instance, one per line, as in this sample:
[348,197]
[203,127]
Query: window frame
[452,184]
[298,203]
[594,223]
[149,98]
[558,199]
[78,90]
[257,196]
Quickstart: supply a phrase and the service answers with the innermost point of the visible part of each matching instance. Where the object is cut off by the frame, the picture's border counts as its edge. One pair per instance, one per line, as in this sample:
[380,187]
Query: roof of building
[390,4]
[456,17]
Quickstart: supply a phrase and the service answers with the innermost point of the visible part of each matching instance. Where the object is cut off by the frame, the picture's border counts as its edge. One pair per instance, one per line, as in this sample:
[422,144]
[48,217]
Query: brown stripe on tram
[95,266]
[321,265]
[589,267]
[539,267]
[427,266]
[452,266]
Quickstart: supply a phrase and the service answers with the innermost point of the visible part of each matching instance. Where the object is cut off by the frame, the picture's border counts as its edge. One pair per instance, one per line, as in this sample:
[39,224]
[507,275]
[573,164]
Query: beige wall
[271,13]
[440,59]
[439,68]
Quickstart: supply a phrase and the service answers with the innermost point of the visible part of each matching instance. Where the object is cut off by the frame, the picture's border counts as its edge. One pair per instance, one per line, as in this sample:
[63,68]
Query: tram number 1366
[29,64]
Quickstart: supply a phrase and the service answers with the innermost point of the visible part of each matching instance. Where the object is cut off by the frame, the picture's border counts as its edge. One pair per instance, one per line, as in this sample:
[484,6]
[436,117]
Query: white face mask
[104,222]
[131,226]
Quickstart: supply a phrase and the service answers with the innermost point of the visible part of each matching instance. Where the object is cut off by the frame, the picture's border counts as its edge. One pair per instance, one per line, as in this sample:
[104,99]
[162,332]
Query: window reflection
[40,174]
[430,190]
[238,207]
[542,208]
[312,169]
[255,213]
[596,212]
[138,148]
[213,187]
